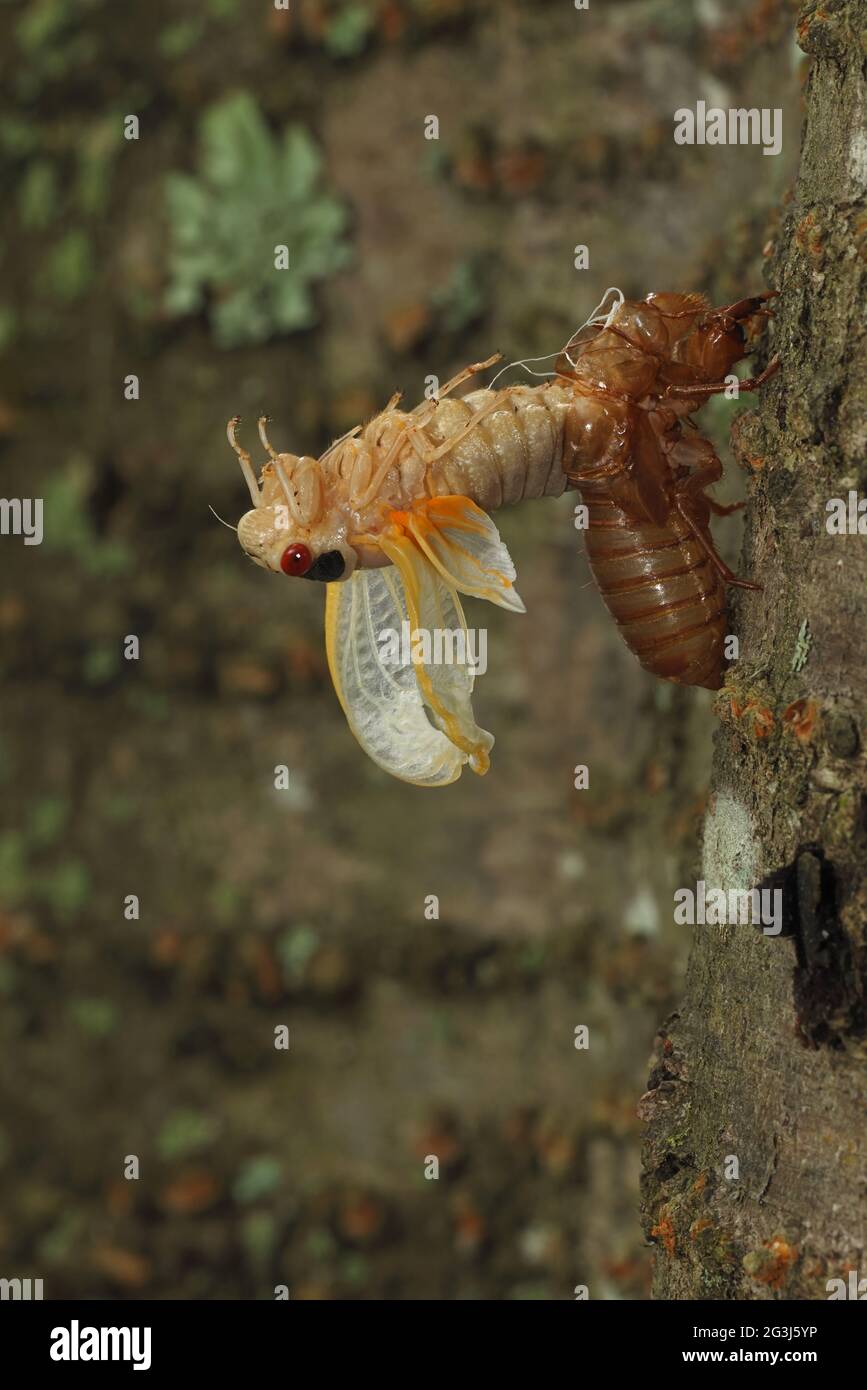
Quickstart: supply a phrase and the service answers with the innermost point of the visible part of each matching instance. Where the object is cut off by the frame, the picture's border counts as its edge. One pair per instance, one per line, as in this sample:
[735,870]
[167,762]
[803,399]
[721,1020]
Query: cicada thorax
[626,354]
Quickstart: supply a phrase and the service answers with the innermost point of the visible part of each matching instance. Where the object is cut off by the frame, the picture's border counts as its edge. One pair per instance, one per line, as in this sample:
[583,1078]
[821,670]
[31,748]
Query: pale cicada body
[394,517]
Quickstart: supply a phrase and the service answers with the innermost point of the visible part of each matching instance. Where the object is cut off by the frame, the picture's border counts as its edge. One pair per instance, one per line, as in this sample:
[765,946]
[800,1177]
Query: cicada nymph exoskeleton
[395,517]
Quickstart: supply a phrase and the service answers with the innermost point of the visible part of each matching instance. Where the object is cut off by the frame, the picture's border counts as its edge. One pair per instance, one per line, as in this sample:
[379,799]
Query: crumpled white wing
[383,702]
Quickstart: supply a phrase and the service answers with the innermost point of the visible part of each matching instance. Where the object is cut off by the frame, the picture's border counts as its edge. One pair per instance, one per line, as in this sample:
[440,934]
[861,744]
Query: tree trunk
[754,1181]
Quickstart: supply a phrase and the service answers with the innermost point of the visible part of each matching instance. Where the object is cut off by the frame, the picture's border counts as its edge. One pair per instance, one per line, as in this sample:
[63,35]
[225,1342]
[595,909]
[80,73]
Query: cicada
[395,517]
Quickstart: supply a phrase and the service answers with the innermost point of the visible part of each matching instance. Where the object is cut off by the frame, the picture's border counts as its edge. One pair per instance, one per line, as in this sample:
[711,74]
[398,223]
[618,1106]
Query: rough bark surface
[766,1062]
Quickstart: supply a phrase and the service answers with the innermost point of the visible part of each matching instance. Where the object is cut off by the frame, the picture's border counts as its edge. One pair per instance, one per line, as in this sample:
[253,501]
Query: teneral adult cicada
[394,517]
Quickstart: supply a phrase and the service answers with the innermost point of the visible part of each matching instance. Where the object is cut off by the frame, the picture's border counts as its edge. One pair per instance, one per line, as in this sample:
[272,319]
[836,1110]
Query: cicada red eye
[296,559]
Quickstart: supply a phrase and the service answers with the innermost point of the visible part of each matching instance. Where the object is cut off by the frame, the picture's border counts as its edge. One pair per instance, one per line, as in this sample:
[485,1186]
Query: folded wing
[385,703]
[465,546]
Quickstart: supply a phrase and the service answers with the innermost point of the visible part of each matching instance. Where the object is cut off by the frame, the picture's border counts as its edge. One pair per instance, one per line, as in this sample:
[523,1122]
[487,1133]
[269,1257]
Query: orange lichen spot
[763,721]
[756,462]
[762,718]
[808,23]
[700,1183]
[703,1223]
[664,1231]
[808,237]
[771,1264]
[800,718]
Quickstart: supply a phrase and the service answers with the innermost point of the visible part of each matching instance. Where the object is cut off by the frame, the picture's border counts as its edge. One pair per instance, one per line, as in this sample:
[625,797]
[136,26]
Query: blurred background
[154,257]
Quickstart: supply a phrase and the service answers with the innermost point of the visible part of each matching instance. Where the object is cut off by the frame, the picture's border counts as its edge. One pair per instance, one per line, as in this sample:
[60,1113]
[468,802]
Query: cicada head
[292,529]
[293,549]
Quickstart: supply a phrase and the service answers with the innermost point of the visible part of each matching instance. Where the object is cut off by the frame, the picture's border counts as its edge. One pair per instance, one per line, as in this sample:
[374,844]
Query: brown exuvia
[643,478]
[395,519]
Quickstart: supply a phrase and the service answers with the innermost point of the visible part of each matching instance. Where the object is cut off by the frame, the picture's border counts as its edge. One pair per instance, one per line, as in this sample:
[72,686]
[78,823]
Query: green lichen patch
[251,195]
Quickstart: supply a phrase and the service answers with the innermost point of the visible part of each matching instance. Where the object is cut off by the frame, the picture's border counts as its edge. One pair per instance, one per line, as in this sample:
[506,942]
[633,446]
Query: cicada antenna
[221,521]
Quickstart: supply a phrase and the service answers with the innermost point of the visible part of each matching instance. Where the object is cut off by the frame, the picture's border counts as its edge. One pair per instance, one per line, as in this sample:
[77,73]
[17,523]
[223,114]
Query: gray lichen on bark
[755,1177]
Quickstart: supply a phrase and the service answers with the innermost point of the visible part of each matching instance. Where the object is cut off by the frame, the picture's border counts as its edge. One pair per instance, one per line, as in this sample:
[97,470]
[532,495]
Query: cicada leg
[262,422]
[714,388]
[746,308]
[245,461]
[466,374]
[694,506]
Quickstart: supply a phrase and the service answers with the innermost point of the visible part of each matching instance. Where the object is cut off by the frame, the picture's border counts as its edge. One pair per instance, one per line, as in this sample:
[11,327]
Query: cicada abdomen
[662,589]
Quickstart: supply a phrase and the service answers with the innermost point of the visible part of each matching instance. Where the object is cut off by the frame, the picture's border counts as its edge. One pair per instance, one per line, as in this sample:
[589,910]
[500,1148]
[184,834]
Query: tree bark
[755,1179]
